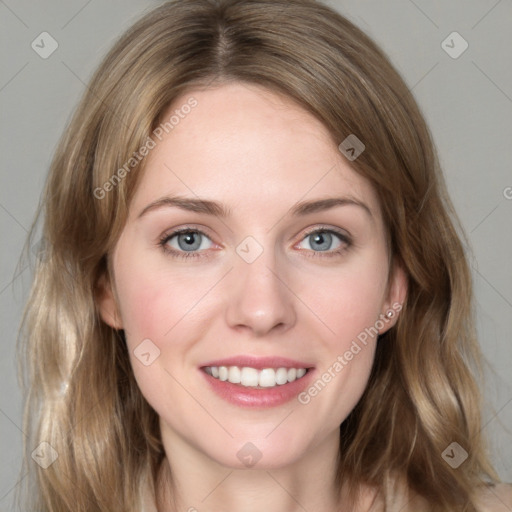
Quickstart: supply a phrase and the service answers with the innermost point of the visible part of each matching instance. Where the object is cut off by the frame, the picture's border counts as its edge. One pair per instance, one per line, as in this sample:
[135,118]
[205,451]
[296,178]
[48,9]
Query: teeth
[223,373]
[250,377]
[234,375]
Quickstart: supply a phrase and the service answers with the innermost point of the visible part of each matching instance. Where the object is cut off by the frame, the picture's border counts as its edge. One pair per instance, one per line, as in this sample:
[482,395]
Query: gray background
[467,102]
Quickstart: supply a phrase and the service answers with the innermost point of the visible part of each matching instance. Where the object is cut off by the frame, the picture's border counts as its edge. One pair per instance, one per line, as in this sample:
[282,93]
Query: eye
[190,242]
[185,242]
[331,242]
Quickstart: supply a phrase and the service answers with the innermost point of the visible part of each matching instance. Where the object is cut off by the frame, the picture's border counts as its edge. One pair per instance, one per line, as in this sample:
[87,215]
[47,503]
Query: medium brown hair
[82,397]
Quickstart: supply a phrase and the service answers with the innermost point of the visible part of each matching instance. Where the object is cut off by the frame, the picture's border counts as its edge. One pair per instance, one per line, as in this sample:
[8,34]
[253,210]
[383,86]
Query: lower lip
[258,398]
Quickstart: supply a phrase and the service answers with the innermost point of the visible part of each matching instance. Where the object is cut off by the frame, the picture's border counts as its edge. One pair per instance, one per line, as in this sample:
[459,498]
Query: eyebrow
[219,210]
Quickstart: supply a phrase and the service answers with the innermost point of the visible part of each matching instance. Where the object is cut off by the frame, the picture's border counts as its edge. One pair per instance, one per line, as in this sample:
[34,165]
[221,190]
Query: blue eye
[188,242]
[321,241]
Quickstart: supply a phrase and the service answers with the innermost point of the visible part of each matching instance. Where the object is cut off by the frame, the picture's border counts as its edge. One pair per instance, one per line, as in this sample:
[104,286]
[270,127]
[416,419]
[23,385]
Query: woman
[253,292]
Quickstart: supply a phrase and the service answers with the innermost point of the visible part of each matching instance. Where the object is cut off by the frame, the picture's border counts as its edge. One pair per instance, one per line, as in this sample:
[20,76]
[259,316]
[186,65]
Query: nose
[260,300]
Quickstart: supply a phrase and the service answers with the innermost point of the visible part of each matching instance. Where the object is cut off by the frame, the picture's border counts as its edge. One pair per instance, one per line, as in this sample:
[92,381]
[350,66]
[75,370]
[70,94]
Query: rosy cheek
[350,303]
[155,306]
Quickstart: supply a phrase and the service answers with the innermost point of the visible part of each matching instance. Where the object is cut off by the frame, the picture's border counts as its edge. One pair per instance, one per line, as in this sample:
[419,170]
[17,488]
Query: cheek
[349,306]
[159,318]
[154,296]
[350,311]
[350,301]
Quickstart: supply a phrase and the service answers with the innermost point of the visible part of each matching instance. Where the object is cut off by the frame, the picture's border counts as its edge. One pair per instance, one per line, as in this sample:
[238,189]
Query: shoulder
[399,498]
[494,498]
[148,496]
[488,498]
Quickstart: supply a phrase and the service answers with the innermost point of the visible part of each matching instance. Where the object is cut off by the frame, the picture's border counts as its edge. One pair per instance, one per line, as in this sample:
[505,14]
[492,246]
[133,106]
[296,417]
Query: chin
[251,452]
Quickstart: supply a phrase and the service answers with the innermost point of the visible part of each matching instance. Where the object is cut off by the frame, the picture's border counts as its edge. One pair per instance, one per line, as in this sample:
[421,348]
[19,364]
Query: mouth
[248,377]
[257,382]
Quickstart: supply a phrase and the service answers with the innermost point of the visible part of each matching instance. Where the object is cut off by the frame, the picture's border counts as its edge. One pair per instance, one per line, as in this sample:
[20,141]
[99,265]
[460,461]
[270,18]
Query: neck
[193,482]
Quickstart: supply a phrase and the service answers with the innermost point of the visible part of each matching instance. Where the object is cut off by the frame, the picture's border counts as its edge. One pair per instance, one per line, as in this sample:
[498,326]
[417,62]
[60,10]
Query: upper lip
[259,363]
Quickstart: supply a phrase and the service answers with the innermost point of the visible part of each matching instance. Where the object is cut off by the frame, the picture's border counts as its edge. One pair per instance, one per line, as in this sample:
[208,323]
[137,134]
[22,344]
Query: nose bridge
[259,299]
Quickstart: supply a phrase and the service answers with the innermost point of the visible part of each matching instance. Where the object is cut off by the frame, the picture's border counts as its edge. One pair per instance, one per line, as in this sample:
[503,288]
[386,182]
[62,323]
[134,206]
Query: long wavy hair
[81,395]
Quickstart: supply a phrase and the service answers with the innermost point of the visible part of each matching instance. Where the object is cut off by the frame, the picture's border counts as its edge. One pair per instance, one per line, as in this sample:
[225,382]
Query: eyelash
[180,254]
[186,255]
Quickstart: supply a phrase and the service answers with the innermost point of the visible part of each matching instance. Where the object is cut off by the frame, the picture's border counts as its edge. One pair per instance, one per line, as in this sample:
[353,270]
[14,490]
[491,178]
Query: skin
[259,154]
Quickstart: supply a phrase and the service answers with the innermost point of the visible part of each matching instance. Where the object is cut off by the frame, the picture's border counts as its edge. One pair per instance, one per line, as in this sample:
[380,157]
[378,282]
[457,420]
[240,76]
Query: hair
[80,393]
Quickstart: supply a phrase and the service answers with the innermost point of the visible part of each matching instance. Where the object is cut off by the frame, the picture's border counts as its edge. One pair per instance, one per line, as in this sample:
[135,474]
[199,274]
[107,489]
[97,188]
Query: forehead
[249,148]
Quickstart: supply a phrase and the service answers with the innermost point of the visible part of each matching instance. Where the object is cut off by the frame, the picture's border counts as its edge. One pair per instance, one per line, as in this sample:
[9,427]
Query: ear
[107,303]
[397,292]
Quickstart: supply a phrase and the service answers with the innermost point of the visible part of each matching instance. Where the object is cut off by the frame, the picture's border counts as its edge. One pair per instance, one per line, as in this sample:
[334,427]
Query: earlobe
[398,286]
[397,293]
[107,304]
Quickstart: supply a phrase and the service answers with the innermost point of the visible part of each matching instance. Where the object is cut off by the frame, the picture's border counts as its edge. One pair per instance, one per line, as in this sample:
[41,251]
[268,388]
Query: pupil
[188,241]
[323,239]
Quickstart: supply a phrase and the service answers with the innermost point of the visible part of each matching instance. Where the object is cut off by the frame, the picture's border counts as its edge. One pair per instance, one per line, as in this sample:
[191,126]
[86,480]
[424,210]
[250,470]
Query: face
[279,279]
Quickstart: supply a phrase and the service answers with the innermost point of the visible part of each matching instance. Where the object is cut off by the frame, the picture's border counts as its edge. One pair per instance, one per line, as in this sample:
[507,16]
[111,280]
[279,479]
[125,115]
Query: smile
[254,378]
